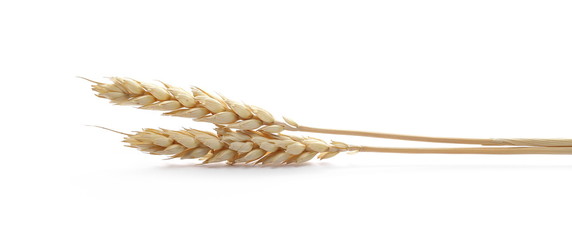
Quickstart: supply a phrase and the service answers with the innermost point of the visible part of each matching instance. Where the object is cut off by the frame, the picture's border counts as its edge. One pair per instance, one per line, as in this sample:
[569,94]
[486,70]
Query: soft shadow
[222,169]
[239,166]
[384,165]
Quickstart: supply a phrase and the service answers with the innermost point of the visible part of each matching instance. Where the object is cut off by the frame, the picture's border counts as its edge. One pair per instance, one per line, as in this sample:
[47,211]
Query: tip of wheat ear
[196,104]
[109,129]
[226,145]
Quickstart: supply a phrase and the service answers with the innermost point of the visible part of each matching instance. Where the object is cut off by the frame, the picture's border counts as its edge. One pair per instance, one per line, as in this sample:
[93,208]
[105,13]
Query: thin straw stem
[482,150]
[397,136]
[479,141]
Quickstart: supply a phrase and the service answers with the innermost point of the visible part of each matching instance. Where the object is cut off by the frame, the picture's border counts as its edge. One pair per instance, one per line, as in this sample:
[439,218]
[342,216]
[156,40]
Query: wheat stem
[476,150]
[539,142]
[396,136]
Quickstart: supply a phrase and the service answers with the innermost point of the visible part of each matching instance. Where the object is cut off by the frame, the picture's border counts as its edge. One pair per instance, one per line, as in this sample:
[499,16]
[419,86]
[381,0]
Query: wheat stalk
[247,146]
[536,142]
[474,150]
[203,106]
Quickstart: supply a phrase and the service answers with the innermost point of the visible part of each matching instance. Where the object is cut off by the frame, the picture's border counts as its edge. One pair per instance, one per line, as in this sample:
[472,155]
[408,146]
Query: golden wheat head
[196,104]
[226,145]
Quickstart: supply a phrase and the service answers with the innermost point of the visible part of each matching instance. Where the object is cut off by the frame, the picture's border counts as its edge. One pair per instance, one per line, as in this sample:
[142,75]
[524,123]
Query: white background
[440,68]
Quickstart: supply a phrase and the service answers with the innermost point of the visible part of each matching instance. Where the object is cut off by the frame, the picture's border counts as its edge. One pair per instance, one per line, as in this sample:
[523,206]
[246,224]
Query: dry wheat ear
[202,106]
[230,146]
[196,104]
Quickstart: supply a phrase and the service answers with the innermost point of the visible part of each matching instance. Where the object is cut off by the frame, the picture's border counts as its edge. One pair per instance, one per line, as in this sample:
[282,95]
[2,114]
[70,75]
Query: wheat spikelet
[226,145]
[196,104]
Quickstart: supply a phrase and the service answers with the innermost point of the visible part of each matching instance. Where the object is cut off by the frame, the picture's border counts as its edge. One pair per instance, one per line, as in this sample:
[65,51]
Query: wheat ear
[196,104]
[226,145]
[203,106]
[246,146]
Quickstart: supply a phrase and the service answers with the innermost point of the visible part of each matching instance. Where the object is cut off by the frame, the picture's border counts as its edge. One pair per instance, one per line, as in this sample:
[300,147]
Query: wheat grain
[196,104]
[226,145]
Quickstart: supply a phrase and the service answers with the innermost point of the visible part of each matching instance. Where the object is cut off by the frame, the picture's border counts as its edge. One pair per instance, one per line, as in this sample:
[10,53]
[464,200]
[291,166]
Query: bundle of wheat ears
[249,134]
